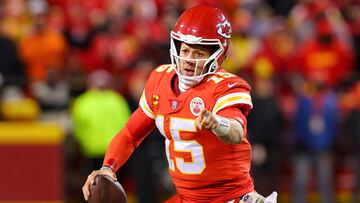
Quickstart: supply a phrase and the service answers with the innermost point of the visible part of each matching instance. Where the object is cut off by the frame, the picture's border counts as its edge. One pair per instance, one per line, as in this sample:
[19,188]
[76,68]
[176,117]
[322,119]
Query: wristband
[223,127]
[107,168]
[111,163]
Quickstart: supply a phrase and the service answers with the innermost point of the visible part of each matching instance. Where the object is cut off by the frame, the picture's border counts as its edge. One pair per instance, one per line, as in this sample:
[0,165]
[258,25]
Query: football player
[201,111]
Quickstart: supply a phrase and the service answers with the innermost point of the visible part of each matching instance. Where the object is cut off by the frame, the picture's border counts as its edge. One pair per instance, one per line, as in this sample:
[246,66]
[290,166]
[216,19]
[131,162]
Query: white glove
[271,198]
[254,197]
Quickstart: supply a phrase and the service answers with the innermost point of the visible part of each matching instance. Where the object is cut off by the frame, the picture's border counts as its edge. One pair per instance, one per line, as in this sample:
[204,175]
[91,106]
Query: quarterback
[201,111]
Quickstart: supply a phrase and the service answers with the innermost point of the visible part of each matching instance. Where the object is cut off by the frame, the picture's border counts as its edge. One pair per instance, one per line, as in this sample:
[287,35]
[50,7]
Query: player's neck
[185,84]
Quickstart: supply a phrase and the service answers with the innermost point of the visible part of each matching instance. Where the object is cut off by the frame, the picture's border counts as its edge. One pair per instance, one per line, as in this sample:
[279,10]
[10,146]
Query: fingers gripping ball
[105,190]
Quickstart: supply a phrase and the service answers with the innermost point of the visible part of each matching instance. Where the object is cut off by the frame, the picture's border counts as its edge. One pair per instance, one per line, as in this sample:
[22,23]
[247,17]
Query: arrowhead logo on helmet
[224,29]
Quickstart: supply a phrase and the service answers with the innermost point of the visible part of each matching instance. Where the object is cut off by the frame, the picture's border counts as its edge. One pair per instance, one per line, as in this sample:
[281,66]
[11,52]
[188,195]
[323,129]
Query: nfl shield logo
[174,104]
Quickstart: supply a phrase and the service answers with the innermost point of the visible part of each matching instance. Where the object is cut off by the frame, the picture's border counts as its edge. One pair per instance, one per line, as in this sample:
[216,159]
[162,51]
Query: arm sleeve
[128,139]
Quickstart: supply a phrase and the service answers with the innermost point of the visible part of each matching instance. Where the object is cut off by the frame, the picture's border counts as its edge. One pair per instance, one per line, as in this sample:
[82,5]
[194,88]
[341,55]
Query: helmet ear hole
[213,49]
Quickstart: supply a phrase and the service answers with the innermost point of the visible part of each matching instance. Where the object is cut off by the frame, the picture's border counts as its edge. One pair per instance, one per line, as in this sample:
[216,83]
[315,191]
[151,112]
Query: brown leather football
[105,190]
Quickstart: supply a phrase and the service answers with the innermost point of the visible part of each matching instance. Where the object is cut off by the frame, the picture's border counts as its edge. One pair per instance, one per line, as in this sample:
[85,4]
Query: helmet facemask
[210,65]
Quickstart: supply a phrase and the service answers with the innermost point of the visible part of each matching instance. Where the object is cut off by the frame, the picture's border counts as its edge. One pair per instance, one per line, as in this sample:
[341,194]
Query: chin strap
[185,84]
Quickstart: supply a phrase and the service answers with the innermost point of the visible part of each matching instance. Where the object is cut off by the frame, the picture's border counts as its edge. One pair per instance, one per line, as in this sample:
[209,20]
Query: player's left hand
[206,120]
[91,180]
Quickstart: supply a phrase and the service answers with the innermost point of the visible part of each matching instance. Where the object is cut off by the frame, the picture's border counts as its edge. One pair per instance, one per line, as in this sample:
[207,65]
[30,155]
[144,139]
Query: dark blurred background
[72,71]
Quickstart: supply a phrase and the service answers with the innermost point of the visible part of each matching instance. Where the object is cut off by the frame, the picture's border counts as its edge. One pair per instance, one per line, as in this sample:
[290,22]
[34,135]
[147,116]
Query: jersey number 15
[177,148]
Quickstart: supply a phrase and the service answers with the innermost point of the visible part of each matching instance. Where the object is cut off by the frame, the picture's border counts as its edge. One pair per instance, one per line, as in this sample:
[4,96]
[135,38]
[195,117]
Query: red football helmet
[201,25]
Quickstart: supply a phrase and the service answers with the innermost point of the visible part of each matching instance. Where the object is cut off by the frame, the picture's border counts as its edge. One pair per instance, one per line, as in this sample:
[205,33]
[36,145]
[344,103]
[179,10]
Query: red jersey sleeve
[124,143]
[235,113]
[148,100]
[233,100]
[145,100]
[233,92]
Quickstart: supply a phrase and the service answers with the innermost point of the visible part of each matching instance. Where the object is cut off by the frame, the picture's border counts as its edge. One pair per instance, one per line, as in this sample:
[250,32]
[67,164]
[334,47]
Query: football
[105,190]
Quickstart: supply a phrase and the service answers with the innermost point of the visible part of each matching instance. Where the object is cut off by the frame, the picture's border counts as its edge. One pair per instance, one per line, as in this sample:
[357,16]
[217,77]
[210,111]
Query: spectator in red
[324,58]
[277,51]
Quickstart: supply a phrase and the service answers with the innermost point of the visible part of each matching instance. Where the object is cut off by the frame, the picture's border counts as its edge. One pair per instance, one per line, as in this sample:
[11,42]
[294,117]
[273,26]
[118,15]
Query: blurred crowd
[301,58]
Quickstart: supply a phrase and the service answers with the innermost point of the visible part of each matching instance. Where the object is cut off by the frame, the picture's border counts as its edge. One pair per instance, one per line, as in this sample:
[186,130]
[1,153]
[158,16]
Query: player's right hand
[91,179]
[206,120]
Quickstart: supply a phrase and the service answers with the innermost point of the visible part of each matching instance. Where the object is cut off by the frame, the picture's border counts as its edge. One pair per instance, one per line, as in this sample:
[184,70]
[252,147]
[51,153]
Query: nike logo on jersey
[232,85]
